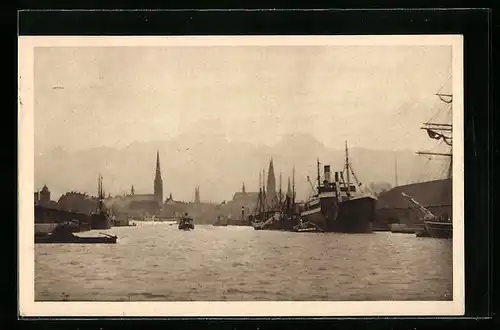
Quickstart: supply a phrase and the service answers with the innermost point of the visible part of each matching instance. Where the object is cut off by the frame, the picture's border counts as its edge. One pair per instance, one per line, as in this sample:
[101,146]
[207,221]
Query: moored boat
[279,213]
[307,227]
[338,206]
[62,234]
[100,218]
[434,226]
[438,226]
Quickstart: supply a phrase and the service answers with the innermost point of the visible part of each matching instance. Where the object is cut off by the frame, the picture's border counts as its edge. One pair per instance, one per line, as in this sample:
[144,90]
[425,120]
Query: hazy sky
[375,97]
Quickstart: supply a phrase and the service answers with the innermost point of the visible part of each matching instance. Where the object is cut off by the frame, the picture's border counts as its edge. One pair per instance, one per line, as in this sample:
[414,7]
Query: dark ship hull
[186,227]
[351,216]
[274,220]
[186,224]
[72,239]
[100,221]
[439,229]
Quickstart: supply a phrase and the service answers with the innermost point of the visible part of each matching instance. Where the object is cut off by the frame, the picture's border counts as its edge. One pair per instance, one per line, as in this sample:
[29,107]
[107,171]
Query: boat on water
[307,227]
[280,213]
[339,205]
[63,234]
[438,226]
[100,218]
[186,223]
[434,226]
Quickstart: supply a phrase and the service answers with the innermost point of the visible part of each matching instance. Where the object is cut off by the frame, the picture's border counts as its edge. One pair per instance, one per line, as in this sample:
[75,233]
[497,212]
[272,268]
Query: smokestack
[336,176]
[327,173]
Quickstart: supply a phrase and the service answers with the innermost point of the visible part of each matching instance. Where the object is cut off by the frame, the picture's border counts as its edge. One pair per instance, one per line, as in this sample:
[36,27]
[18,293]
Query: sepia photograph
[241,176]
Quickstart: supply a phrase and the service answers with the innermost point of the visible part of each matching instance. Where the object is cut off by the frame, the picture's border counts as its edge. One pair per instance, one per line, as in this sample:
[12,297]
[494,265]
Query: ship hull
[282,222]
[438,229]
[50,239]
[352,216]
[99,221]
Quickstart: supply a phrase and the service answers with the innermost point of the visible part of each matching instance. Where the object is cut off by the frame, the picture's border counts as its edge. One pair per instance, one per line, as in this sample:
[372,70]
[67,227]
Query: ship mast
[279,197]
[319,178]
[439,131]
[293,187]
[347,170]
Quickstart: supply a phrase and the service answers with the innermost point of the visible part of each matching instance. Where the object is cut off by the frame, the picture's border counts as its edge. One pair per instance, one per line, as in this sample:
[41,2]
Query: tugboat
[63,234]
[338,206]
[186,223]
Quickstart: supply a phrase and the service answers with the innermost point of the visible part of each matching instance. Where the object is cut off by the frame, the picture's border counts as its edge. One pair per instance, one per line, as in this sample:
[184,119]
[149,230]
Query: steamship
[339,206]
[100,218]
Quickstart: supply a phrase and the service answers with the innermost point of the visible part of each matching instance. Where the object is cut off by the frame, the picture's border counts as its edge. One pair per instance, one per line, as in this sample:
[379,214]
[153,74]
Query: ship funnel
[336,176]
[327,173]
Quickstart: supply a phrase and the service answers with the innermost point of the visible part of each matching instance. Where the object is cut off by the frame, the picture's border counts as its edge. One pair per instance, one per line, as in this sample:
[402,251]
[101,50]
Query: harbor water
[155,261]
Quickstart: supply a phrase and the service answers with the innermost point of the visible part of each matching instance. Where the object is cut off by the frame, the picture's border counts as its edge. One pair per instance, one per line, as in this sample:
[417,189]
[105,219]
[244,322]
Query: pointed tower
[243,190]
[132,190]
[197,195]
[158,183]
[271,185]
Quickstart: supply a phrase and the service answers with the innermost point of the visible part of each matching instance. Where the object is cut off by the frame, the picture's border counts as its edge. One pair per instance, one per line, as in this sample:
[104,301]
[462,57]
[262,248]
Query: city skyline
[194,108]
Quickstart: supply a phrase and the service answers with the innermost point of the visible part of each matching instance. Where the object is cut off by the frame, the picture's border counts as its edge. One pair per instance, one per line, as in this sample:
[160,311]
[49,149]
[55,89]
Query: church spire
[158,171]
[271,184]
[243,190]
[158,183]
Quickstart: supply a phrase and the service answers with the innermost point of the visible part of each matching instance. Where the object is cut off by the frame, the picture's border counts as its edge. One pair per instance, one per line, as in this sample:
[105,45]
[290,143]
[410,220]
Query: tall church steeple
[197,195]
[271,184]
[158,183]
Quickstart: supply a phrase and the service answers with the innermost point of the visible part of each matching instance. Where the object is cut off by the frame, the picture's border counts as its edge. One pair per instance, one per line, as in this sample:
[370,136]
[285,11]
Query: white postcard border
[27,304]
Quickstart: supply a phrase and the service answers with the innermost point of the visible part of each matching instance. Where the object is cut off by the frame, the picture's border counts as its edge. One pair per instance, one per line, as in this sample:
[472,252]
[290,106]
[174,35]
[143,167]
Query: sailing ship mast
[293,187]
[440,131]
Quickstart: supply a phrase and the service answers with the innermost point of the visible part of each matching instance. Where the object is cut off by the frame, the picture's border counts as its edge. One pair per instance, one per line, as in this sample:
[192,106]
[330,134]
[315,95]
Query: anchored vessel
[100,218]
[62,234]
[434,226]
[438,226]
[278,214]
[338,206]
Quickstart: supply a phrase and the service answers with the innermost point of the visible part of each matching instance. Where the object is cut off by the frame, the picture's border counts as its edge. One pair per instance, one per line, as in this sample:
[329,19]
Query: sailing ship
[439,226]
[280,214]
[339,205]
[100,218]
[434,226]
